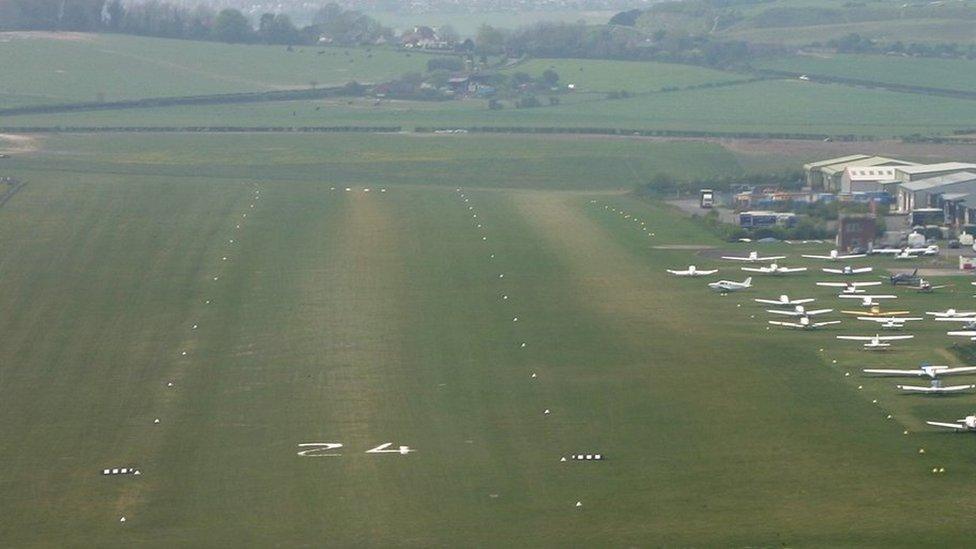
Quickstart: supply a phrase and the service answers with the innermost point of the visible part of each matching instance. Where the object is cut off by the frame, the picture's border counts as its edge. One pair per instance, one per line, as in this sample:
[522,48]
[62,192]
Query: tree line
[331,23]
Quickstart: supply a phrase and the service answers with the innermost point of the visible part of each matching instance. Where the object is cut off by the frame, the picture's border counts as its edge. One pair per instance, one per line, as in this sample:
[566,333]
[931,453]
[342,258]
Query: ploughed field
[427,330]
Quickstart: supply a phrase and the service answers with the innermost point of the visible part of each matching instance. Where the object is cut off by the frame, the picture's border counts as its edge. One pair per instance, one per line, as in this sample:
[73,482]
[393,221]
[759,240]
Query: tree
[626,18]
[490,40]
[550,77]
[447,33]
[231,26]
[278,29]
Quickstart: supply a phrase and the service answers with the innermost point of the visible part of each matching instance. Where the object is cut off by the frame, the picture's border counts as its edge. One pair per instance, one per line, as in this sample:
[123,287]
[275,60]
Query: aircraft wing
[827,323]
[755,269]
[936,390]
[962,333]
[894,338]
[792,269]
[816,256]
[771,258]
[832,271]
[857,338]
[851,256]
[733,258]
[818,312]
[884,372]
[769,301]
[679,273]
[862,270]
[788,324]
[712,271]
[787,313]
[956,426]
[886,251]
[834,284]
[959,370]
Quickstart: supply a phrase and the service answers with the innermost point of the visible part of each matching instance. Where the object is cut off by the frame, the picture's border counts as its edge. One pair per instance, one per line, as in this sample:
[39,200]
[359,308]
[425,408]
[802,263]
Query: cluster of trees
[855,43]
[577,40]
[172,20]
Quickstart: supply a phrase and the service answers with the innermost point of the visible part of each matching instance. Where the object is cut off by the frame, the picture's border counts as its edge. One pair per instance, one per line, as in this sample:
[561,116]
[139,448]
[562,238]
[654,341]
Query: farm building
[922,193]
[814,170]
[866,179]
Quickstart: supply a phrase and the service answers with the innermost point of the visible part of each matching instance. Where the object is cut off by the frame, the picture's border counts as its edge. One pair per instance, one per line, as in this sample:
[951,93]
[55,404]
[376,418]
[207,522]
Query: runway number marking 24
[324,449]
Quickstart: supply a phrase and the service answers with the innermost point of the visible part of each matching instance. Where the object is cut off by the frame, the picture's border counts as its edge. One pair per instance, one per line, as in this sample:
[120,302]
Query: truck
[707,198]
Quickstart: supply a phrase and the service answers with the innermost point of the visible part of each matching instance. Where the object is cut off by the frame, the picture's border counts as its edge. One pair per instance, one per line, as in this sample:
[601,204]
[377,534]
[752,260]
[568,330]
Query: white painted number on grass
[382,449]
[324,449]
[319,449]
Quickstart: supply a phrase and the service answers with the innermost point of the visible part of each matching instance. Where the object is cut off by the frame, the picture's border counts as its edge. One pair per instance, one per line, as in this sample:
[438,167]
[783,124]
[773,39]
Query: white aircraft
[849,287]
[968,322]
[804,323]
[848,270]
[692,271]
[784,300]
[925,370]
[774,269]
[927,287]
[935,388]
[889,322]
[952,313]
[967,423]
[726,286]
[868,300]
[835,256]
[753,257]
[908,253]
[876,342]
[799,310]
[964,333]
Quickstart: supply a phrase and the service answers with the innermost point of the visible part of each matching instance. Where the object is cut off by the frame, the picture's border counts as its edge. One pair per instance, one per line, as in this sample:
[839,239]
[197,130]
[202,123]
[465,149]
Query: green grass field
[907,31]
[69,67]
[593,75]
[767,106]
[366,318]
[466,24]
[954,74]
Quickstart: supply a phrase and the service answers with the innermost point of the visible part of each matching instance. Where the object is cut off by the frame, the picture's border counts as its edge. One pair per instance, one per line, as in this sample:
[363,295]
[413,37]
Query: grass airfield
[366,318]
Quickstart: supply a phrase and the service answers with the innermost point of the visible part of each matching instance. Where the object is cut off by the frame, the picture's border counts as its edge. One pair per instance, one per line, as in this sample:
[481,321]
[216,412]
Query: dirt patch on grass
[17,144]
[47,35]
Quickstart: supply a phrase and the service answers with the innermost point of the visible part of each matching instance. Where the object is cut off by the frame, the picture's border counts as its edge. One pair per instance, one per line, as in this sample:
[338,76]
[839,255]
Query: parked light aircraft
[834,256]
[909,279]
[804,323]
[868,300]
[849,287]
[906,252]
[774,269]
[754,257]
[876,342]
[799,310]
[784,300]
[967,423]
[951,313]
[936,388]
[692,271]
[848,270]
[925,370]
[889,322]
[726,286]
[925,286]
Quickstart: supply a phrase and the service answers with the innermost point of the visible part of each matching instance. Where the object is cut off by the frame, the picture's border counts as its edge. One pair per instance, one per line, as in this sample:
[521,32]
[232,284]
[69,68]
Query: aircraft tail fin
[747,281]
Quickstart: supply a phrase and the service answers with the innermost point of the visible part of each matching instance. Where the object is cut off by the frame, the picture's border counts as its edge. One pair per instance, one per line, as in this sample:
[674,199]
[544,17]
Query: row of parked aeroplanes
[801,316]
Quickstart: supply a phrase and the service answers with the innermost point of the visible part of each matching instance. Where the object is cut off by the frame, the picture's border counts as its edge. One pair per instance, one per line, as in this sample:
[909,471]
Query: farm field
[365,159]
[67,67]
[907,31]
[953,74]
[366,318]
[466,24]
[767,106]
[598,75]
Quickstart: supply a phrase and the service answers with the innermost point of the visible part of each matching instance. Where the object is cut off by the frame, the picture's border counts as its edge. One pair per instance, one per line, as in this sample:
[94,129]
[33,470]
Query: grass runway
[372,318]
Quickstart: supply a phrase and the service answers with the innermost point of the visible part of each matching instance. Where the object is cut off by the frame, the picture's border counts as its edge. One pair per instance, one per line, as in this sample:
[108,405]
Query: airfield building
[923,193]
[852,173]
